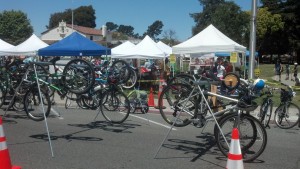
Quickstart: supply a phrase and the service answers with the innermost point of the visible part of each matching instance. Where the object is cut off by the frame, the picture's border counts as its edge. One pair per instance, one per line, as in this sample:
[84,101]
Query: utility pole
[252,43]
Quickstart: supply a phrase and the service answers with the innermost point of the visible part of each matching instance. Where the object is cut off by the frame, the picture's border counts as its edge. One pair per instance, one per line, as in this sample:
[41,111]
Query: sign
[257,72]
[172,58]
[233,57]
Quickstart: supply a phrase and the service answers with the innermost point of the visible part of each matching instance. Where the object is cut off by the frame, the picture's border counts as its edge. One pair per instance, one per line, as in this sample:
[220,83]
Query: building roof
[86,30]
[82,29]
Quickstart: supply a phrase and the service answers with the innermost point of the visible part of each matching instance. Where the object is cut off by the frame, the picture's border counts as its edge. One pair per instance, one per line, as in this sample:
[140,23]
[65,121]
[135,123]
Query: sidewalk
[287,82]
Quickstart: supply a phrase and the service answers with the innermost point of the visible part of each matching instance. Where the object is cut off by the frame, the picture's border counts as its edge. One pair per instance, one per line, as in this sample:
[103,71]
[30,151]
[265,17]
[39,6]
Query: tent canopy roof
[147,48]
[4,45]
[29,47]
[119,50]
[74,45]
[207,41]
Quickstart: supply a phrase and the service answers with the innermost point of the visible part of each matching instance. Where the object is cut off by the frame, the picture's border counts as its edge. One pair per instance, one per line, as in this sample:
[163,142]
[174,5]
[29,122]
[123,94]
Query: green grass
[267,72]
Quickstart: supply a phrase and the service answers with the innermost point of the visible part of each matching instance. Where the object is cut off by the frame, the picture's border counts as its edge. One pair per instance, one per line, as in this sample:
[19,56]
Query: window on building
[91,38]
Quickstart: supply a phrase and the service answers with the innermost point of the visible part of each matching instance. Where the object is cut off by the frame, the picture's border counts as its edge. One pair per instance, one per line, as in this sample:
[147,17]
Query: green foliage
[266,21]
[15,27]
[126,30]
[111,26]
[225,16]
[155,29]
[82,16]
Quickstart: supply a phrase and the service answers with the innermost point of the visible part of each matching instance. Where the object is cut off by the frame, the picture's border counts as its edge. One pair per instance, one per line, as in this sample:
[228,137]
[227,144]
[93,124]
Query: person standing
[220,70]
[287,70]
[295,70]
[278,69]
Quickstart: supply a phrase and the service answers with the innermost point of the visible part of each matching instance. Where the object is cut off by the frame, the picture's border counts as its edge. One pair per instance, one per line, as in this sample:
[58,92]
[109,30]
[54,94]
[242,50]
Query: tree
[169,37]
[225,16]
[289,11]
[154,30]
[15,27]
[111,26]
[82,16]
[127,30]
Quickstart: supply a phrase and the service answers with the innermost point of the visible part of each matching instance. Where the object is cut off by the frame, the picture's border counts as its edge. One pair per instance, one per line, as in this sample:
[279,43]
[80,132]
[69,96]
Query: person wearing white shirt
[220,70]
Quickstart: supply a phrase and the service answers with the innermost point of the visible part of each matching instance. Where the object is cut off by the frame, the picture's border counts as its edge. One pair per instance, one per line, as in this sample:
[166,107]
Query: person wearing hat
[295,70]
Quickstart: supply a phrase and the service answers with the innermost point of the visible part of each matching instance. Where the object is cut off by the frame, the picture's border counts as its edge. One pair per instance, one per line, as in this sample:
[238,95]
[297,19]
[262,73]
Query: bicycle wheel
[265,112]
[253,136]
[182,78]
[132,96]
[2,96]
[34,104]
[78,76]
[115,106]
[131,81]
[287,115]
[121,71]
[175,98]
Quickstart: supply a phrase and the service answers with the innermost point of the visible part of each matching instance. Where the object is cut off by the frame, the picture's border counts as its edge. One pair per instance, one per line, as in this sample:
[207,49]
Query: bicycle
[287,114]
[76,78]
[189,106]
[138,100]
[266,108]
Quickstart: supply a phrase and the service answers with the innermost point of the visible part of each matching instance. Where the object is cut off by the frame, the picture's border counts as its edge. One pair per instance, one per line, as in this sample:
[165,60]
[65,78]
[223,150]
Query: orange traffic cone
[160,89]
[5,162]
[151,98]
[235,158]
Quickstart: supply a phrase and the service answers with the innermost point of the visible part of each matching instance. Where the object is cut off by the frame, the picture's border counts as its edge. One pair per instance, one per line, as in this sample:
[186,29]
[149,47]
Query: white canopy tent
[146,49]
[28,48]
[4,45]
[208,41]
[118,51]
[167,49]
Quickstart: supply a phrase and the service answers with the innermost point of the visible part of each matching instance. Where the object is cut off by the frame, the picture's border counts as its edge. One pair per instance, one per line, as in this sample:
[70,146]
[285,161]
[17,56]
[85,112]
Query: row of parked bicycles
[186,99]
[32,87]
[191,101]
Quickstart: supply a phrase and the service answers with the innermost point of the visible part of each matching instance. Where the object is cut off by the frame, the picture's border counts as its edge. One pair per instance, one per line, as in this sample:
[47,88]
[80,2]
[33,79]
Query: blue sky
[138,13]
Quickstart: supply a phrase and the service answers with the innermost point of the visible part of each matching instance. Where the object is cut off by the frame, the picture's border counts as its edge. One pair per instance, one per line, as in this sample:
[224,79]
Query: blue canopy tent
[74,45]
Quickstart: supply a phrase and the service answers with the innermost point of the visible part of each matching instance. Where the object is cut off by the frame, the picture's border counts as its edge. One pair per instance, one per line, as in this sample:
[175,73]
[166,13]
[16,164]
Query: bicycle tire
[121,71]
[2,97]
[115,106]
[265,112]
[253,136]
[32,104]
[287,121]
[182,78]
[132,96]
[171,97]
[131,81]
[78,76]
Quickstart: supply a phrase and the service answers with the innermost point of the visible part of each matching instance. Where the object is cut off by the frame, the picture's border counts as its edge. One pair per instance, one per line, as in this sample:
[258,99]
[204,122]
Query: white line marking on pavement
[56,113]
[154,122]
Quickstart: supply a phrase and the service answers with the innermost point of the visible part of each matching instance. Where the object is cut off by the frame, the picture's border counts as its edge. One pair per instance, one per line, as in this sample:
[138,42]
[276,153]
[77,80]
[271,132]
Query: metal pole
[252,38]
[72,17]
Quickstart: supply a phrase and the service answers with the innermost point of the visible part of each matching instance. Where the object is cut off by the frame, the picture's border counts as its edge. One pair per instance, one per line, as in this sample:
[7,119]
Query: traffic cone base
[5,162]
[151,98]
[235,158]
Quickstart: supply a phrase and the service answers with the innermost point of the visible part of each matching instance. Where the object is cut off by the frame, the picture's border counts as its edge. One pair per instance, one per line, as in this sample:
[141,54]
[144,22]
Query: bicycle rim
[179,109]
[253,136]
[115,106]
[287,116]
[78,76]
[35,106]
